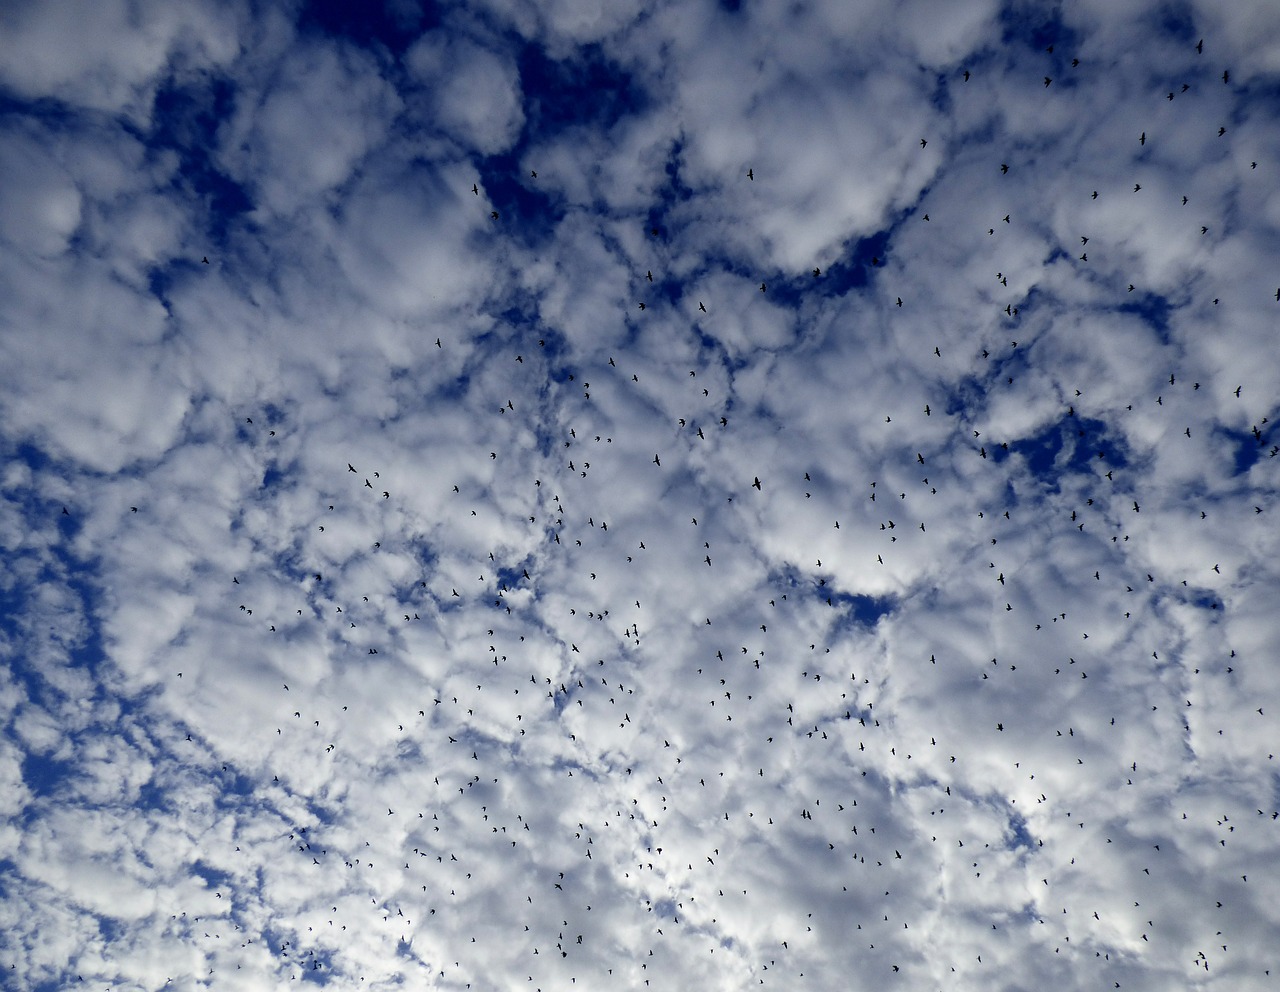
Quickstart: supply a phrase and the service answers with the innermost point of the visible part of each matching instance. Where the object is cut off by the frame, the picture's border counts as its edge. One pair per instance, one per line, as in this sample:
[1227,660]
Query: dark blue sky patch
[665,908]
[1021,836]
[1038,26]
[52,113]
[854,268]
[185,120]
[213,878]
[316,968]
[272,477]
[151,795]
[1152,309]
[370,23]
[1070,445]
[858,608]
[236,788]
[865,610]
[1178,22]
[1245,450]
[587,90]
[45,776]
[525,210]
[676,190]
[512,576]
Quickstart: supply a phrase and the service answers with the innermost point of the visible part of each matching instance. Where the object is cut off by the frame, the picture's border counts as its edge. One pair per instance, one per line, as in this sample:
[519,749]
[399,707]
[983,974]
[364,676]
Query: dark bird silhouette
[751,175]
[205,260]
[755,483]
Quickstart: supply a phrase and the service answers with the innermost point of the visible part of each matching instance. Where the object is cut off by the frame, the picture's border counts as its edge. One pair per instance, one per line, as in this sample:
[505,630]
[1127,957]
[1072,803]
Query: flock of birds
[480,766]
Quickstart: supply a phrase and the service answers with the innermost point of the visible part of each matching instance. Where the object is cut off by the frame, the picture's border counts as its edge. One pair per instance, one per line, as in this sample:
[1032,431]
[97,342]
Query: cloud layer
[713,494]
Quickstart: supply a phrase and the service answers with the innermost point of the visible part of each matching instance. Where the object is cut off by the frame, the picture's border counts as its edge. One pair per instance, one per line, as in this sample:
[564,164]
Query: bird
[756,482]
[475,189]
[751,175]
[205,260]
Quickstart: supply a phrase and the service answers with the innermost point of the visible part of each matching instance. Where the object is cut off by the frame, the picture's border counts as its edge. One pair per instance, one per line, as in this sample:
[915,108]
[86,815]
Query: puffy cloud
[426,609]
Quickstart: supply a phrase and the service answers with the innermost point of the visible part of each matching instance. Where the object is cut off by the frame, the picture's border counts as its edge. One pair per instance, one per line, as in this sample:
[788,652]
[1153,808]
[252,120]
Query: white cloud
[473,93]
[111,56]
[393,661]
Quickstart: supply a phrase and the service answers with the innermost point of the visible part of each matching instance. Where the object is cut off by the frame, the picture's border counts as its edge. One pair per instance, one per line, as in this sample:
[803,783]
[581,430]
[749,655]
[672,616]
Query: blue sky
[559,495]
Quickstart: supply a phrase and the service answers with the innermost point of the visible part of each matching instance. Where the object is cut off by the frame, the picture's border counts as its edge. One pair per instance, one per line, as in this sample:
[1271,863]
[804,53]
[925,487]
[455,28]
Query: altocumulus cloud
[674,495]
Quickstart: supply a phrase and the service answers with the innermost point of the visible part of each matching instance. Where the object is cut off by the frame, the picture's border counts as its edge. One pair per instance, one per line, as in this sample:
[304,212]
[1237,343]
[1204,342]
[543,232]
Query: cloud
[111,56]
[534,495]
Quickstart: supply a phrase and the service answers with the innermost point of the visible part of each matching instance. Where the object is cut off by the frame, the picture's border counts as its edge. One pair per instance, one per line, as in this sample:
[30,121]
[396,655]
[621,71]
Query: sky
[668,495]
